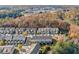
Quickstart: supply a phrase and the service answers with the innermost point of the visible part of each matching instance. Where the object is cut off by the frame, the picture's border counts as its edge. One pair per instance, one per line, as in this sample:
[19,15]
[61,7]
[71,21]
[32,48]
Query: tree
[2,42]
[73,35]
[24,34]
[65,48]
[19,46]
[16,51]
[44,49]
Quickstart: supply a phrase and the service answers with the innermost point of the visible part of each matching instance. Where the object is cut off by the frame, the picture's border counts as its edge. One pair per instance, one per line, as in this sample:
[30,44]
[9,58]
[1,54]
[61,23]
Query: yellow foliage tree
[1,42]
[19,46]
[24,34]
[73,35]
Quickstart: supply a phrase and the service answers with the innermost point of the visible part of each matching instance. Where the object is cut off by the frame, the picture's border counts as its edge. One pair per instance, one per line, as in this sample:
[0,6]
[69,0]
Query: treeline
[36,21]
[48,19]
[12,14]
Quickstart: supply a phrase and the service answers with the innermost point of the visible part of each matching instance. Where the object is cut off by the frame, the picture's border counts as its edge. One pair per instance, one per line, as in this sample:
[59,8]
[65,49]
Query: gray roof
[42,37]
[7,49]
[12,37]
